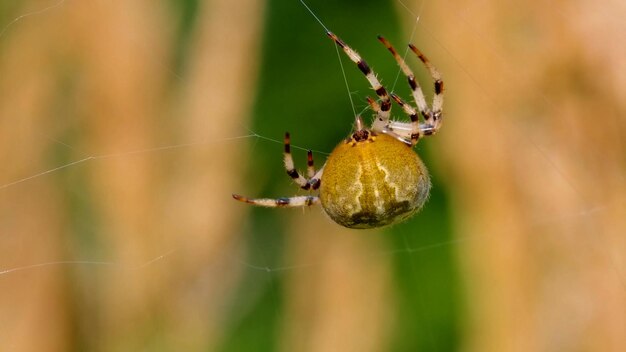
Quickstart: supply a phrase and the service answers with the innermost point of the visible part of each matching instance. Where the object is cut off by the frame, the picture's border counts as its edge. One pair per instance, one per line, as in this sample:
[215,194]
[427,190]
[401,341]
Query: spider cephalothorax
[373,178]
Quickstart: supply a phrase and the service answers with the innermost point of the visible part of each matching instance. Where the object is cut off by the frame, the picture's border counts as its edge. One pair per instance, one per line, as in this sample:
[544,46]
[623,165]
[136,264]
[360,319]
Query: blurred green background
[302,90]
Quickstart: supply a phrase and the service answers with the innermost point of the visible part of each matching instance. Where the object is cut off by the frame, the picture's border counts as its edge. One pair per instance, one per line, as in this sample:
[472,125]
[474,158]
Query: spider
[373,178]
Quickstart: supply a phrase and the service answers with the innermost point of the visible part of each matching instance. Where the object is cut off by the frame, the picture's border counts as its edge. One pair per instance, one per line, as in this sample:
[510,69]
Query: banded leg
[373,104]
[310,166]
[431,115]
[416,90]
[314,179]
[437,107]
[379,123]
[292,202]
[417,129]
[382,118]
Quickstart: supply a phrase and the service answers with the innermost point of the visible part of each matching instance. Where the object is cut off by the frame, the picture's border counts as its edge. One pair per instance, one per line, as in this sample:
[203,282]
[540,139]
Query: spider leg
[289,165]
[417,130]
[438,84]
[416,90]
[379,122]
[373,104]
[409,110]
[403,130]
[312,183]
[314,178]
[291,202]
[432,117]
[382,118]
[310,166]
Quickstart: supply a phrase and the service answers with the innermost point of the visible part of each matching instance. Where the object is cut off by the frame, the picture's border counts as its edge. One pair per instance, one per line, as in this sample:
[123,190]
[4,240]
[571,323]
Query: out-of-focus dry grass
[115,56]
[346,301]
[534,146]
[532,153]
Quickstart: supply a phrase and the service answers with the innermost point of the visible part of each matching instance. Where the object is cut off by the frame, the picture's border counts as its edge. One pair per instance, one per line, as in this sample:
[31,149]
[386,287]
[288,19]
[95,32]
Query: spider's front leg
[383,111]
[436,112]
[432,117]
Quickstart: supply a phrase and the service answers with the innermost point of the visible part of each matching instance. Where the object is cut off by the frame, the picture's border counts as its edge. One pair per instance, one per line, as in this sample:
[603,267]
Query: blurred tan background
[125,127]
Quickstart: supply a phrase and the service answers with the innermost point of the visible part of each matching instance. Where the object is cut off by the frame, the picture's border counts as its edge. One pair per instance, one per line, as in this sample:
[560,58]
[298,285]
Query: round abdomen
[373,182]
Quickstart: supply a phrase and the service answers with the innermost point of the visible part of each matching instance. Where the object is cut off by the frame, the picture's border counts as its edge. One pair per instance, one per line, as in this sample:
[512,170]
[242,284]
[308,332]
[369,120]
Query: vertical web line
[343,71]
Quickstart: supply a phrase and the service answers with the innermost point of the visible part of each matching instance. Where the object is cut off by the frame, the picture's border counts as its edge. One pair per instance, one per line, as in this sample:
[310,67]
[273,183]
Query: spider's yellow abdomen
[373,180]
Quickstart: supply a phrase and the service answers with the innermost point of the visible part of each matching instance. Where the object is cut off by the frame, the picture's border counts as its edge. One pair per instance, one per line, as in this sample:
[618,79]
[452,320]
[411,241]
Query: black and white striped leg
[314,177]
[382,118]
[289,165]
[416,90]
[438,86]
[379,122]
[432,116]
[417,130]
[291,202]
[310,166]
